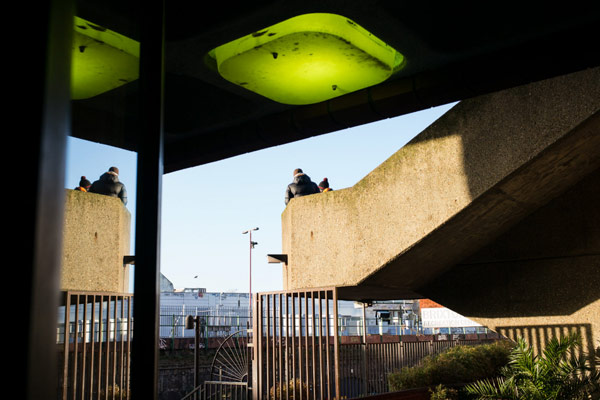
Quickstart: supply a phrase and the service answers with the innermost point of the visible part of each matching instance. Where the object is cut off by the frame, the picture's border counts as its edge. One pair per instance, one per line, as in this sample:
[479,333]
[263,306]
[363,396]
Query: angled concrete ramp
[461,184]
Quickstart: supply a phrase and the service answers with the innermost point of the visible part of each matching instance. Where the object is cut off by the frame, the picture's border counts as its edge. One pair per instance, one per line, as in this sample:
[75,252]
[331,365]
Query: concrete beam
[469,177]
[539,279]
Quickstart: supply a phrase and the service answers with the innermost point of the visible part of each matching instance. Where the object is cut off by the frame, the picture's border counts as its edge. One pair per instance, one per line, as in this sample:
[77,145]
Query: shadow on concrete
[538,335]
[546,265]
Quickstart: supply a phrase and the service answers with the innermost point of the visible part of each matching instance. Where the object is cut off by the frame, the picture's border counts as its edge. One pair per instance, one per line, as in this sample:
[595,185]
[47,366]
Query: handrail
[199,387]
[202,387]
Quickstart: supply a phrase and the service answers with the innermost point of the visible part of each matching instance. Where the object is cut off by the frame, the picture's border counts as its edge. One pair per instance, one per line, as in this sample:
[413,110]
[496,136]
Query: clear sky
[206,208]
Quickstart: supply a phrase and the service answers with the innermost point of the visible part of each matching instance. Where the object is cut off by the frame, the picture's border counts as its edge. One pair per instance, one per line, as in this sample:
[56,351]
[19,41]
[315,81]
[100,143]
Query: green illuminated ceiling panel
[101,60]
[307,59]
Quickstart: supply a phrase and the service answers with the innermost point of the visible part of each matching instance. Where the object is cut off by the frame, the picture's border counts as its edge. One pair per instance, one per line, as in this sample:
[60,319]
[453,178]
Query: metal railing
[298,352]
[295,345]
[94,339]
[212,390]
[364,368]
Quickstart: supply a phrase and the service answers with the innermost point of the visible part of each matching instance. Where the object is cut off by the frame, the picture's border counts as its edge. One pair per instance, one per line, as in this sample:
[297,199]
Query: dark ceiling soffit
[391,99]
[384,101]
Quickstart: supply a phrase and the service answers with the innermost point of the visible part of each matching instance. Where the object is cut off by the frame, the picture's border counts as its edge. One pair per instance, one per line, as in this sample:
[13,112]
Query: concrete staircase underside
[464,181]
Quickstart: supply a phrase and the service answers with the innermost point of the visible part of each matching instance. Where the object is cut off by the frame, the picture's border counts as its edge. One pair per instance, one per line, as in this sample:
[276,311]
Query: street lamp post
[252,244]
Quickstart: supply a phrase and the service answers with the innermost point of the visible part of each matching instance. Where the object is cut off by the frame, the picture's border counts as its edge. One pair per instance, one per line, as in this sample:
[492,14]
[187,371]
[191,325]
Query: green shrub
[460,364]
[441,392]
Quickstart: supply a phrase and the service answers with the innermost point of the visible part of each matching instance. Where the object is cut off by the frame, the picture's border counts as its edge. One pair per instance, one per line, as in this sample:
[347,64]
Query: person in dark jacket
[301,186]
[109,185]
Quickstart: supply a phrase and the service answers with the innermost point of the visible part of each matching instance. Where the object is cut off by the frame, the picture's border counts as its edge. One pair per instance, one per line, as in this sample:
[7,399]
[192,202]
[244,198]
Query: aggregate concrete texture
[96,237]
[469,177]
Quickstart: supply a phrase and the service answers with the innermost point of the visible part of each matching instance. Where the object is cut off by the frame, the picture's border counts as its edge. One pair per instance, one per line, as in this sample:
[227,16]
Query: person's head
[84,183]
[114,169]
[324,184]
[297,171]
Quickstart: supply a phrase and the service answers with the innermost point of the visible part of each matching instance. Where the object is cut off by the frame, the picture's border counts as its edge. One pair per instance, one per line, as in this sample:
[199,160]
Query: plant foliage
[460,364]
[559,373]
[441,392]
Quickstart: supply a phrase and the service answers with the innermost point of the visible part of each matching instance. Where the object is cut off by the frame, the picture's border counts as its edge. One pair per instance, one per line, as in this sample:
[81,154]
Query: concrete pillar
[96,237]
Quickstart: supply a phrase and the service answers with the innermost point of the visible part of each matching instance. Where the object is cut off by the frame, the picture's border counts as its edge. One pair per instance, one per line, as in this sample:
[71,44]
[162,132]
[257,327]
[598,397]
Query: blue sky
[206,208]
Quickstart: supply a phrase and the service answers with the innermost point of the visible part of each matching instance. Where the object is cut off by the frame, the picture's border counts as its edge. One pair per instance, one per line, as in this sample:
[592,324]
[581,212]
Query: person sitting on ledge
[109,185]
[84,185]
[324,185]
[301,186]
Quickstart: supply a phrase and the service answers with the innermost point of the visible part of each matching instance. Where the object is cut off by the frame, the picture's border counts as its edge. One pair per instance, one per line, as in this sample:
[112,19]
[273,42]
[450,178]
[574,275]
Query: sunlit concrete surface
[469,177]
[96,238]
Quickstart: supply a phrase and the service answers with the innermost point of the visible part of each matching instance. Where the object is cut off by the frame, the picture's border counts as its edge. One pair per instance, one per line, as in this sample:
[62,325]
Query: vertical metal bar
[393,359]
[129,331]
[274,354]
[122,351]
[144,368]
[268,344]
[92,345]
[294,344]
[327,334]
[314,371]
[99,351]
[257,347]
[306,333]
[382,365]
[401,355]
[114,346]
[287,343]
[100,346]
[84,347]
[365,352]
[336,347]
[300,345]
[75,368]
[280,351]
[67,317]
[388,367]
[320,343]
[106,347]
[196,320]
[41,211]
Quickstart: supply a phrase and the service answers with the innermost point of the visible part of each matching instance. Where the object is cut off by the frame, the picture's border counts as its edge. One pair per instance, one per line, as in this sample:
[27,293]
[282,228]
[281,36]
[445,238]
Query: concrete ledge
[96,237]
[470,176]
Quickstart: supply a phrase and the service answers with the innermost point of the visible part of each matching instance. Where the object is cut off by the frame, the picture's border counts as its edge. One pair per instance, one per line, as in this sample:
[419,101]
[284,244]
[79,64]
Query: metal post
[46,92]
[196,353]
[252,244]
[365,353]
[250,276]
[336,348]
[257,358]
[144,357]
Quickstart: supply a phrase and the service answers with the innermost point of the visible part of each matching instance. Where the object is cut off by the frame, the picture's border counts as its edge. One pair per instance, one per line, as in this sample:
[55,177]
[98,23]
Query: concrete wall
[96,237]
[540,278]
[471,175]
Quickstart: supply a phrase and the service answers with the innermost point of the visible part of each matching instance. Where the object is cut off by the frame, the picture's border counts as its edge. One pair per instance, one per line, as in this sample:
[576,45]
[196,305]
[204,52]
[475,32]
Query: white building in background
[436,318]
[224,313]
[228,312]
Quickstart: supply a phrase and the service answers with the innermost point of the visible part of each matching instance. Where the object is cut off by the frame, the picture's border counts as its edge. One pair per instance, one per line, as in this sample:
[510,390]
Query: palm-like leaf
[557,374]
